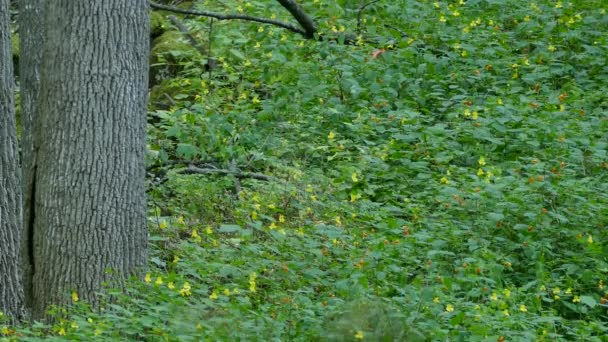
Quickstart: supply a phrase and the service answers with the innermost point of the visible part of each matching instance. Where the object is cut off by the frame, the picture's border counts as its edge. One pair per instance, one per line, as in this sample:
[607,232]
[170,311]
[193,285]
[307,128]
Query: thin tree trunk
[88,218]
[11,294]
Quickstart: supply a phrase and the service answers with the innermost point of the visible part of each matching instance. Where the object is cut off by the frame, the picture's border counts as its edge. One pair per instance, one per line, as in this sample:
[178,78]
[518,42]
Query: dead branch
[220,16]
[303,19]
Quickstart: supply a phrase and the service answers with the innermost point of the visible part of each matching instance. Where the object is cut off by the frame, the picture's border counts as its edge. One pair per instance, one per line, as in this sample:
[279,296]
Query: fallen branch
[183,29]
[220,16]
[191,169]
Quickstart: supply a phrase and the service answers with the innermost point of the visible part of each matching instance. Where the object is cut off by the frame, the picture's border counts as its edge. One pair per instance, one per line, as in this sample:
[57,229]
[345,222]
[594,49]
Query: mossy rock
[158,24]
[168,50]
[162,93]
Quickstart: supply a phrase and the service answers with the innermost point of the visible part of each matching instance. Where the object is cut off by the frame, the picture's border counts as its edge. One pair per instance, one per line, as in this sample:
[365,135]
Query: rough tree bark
[87,193]
[11,294]
[31,35]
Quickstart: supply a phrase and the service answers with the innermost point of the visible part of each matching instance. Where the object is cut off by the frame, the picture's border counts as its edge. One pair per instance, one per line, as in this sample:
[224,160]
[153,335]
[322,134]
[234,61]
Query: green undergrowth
[444,179]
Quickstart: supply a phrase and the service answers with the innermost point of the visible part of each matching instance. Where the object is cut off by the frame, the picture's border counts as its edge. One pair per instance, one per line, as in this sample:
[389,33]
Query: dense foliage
[445,178]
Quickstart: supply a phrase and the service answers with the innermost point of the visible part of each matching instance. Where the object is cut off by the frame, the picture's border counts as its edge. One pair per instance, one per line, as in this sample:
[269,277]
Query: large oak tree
[84,80]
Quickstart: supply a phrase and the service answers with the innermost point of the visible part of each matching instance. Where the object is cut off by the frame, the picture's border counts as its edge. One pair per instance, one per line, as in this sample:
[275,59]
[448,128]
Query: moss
[158,24]
[158,99]
[167,51]
[170,41]
[15,41]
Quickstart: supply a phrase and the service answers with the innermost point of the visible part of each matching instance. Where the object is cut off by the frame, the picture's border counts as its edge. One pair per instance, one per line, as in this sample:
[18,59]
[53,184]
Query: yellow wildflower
[331,135]
[523,308]
[180,220]
[576,299]
[449,308]
[159,281]
[162,225]
[147,278]
[354,177]
[74,296]
[185,291]
[252,284]
[170,285]
[359,335]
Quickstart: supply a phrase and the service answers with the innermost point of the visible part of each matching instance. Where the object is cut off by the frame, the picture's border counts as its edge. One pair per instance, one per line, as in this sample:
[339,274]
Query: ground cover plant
[443,177]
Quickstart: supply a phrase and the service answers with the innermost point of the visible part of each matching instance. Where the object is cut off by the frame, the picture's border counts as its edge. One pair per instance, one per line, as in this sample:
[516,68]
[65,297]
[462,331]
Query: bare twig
[210,61]
[303,19]
[168,97]
[402,33]
[220,16]
[360,11]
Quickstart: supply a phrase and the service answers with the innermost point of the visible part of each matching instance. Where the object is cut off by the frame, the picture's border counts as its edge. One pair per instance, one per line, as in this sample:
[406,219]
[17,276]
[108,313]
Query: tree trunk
[31,35]
[11,294]
[87,221]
